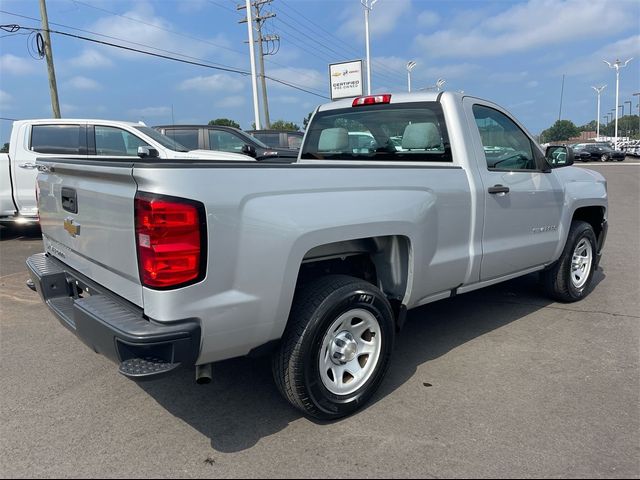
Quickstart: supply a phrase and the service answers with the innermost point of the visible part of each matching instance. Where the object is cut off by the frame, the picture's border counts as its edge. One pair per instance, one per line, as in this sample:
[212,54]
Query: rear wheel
[604,158]
[336,348]
[569,278]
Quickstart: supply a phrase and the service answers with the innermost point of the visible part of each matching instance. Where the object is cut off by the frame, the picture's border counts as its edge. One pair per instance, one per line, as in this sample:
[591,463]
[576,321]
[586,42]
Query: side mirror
[559,156]
[148,152]
[249,150]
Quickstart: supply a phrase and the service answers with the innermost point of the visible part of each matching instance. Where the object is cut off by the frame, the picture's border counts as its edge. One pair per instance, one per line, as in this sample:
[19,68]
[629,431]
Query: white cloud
[150,112]
[428,19]
[532,84]
[82,83]
[142,26]
[90,58]
[12,65]
[527,26]
[5,99]
[231,101]
[285,99]
[593,65]
[303,77]
[218,82]
[383,19]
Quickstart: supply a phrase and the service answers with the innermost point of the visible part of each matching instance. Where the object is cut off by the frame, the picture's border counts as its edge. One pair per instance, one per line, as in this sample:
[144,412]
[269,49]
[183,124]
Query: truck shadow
[242,405]
[20,232]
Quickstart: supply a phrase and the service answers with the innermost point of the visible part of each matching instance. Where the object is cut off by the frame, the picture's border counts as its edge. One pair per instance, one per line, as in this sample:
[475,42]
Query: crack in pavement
[560,308]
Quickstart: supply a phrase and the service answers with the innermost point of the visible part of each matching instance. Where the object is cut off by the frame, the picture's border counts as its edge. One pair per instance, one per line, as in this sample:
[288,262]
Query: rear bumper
[110,325]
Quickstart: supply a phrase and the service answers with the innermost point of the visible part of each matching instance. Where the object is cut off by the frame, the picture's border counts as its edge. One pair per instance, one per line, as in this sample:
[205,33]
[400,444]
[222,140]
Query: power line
[167,57]
[153,25]
[332,36]
[149,46]
[331,51]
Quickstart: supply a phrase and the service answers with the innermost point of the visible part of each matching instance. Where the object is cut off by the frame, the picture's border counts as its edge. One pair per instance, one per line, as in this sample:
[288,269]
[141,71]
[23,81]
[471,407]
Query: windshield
[163,140]
[251,139]
[404,132]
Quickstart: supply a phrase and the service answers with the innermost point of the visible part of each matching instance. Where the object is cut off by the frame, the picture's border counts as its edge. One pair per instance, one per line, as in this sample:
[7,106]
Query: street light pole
[368,5]
[629,102]
[410,66]
[598,91]
[617,65]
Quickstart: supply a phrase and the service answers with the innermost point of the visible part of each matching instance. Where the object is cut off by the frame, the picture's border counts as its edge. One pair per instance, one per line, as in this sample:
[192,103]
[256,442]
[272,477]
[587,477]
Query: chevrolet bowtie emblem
[72,228]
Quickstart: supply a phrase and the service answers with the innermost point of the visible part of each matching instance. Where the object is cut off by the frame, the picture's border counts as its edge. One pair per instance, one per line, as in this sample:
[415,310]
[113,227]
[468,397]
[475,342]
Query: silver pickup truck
[395,201]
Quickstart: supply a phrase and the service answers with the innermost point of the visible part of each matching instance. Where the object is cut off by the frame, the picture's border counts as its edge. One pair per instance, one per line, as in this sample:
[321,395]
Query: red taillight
[170,239]
[372,100]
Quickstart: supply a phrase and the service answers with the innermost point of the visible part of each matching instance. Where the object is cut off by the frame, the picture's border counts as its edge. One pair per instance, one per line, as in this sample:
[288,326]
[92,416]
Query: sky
[513,53]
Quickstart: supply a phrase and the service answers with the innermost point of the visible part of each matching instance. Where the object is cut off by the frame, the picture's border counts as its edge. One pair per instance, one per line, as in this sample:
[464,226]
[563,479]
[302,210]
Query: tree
[561,130]
[589,127]
[306,120]
[282,125]
[226,122]
[5,148]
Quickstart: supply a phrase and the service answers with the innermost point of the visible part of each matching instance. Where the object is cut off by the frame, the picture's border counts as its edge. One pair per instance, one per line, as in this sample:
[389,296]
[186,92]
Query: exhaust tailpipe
[203,374]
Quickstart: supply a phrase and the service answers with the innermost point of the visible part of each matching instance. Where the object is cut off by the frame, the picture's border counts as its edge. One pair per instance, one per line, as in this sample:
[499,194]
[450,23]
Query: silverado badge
[72,228]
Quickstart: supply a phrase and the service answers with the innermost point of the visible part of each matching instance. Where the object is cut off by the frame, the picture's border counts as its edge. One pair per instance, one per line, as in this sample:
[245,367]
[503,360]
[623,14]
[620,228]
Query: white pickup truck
[79,139]
[316,261]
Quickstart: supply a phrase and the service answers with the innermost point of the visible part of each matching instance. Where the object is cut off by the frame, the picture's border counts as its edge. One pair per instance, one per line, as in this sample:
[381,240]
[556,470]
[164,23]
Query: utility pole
[252,58]
[53,87]
[260,19]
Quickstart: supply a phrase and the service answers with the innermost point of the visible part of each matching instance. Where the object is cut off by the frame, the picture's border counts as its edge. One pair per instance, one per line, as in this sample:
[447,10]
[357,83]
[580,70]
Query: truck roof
[397,97]
[63,121]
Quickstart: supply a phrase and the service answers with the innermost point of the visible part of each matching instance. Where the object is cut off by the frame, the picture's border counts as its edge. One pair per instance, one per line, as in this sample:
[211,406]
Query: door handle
[28,166]
[498,189]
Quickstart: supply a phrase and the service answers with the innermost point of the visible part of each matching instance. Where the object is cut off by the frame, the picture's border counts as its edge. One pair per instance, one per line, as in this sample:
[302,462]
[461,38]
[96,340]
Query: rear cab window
[404,132]
[58,139]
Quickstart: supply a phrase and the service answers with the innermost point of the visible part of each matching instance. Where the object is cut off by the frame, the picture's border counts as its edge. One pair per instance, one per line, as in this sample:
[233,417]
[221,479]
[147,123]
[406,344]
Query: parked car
[81,140]
[279,138]
[317,261]
[225,139]
[599,152]
[579,153]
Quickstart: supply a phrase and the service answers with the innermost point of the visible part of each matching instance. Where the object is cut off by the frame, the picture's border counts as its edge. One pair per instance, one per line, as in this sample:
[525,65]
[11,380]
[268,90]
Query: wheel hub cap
[344,348]
[350,351]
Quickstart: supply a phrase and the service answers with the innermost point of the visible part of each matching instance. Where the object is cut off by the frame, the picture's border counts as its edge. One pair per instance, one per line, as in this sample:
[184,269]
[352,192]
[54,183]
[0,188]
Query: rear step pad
[145,368]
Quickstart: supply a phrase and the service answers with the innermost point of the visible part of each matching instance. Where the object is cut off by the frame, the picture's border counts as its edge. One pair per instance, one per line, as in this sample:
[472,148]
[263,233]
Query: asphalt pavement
[500,382]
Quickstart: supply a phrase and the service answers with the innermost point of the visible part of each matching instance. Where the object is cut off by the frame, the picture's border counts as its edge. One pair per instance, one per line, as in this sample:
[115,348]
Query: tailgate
[87,220]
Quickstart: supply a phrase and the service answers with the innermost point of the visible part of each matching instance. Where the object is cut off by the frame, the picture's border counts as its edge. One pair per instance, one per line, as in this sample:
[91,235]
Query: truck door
[523,199]
[40,141]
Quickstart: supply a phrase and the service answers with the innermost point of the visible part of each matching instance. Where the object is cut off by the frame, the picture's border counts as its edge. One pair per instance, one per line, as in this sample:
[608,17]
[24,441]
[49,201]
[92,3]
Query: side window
[57,139]
[506,146]
[116,142]
[184,136]
[225,141]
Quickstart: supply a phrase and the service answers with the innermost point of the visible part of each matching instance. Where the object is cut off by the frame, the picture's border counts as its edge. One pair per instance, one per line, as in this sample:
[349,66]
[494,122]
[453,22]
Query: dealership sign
[345,79]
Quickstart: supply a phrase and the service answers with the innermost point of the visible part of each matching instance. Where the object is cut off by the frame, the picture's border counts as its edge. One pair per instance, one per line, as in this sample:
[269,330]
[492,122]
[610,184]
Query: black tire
[296,363]
[556,280]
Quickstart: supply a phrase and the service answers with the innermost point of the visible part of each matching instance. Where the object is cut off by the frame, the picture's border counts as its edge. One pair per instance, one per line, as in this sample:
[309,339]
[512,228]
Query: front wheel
[569,278]
[604,158]
[336,348]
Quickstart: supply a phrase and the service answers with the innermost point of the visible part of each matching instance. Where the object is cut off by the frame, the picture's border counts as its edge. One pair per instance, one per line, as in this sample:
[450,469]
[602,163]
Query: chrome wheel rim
[350,351]
[603,158]
[581,263]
